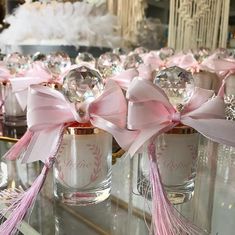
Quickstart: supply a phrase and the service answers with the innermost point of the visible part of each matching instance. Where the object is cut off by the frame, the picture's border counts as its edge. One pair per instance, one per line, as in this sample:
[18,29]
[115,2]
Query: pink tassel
[20,205]
[18,147]
[166,219]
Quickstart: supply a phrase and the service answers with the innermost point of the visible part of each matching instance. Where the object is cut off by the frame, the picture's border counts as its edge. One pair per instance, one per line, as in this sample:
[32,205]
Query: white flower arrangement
[57,23]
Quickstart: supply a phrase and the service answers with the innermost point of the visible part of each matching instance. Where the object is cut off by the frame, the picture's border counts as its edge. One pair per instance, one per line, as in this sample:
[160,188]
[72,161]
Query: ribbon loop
[83,113]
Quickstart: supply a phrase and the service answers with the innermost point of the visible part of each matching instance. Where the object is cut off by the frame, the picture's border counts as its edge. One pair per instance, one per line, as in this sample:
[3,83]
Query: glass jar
[13,114]
[177,154]
[82,171]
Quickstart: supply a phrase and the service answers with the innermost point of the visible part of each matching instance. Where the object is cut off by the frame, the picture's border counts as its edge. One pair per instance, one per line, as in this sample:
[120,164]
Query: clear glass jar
[177,154]
[206,80]
[13,114]
[82,171]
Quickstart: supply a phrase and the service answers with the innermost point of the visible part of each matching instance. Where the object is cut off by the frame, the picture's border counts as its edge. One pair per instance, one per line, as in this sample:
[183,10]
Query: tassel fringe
[18,147]
[166,220]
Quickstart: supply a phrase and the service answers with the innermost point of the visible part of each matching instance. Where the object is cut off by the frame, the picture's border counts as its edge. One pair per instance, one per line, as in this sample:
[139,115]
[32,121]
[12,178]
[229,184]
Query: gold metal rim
[82,130]
[182,129]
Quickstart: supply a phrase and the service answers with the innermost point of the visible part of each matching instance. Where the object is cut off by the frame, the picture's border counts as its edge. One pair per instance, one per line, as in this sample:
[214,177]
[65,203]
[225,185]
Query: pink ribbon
[153,60]
[145,71]
[48,111]
[184,61]
[35,75]
[151,114]
[20,82]
[188,62]
[124,78]
[224,68]
[4,73]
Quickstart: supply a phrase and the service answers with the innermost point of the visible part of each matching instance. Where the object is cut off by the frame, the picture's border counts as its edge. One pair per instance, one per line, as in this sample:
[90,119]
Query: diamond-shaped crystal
[141,50]
[16,62]
[85,57]
[58,62]
[201,53]
[166,52]
[177,83]
[109,64]
[133,60]
[82,83]
[38,56]
[120,51]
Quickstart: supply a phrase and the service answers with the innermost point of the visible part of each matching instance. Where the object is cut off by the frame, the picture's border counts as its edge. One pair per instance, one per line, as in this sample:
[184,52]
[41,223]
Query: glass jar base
[181,193]
[176,194]
[83,198]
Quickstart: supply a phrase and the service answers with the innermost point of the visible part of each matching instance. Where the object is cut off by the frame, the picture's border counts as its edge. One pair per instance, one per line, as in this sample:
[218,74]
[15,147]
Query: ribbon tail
[146,134]
[15,151]
[44,143]
[219,130]
[19,206]
[165,218]
[123,136]
[22,97]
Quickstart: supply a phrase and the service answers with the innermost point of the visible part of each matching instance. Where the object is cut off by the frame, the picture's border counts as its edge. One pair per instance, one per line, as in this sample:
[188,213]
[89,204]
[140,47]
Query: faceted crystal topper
[85,57]
[38,56]
[109,64]
[58,62]
[177,83]
[120,51]
[133,60]
[16,62]
[141,50]
[201,53]
[166,52]
[82,83]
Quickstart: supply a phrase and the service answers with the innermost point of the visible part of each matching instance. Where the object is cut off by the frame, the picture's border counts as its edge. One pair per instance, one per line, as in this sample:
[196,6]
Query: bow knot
[175,117]
[83,112]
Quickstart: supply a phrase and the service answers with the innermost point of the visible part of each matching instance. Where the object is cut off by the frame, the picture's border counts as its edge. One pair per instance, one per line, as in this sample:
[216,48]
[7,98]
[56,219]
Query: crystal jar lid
[177,83]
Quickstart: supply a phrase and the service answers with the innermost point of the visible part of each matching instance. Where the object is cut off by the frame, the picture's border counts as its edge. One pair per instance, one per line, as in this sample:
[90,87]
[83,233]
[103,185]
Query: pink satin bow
[20,83]
[124,78]
[185,61]
[48,111]
[153,60]
[188,62]
[151,113]
[224,67]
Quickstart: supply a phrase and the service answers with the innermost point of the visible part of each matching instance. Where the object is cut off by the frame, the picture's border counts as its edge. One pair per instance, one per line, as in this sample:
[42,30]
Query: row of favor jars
[82,170]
